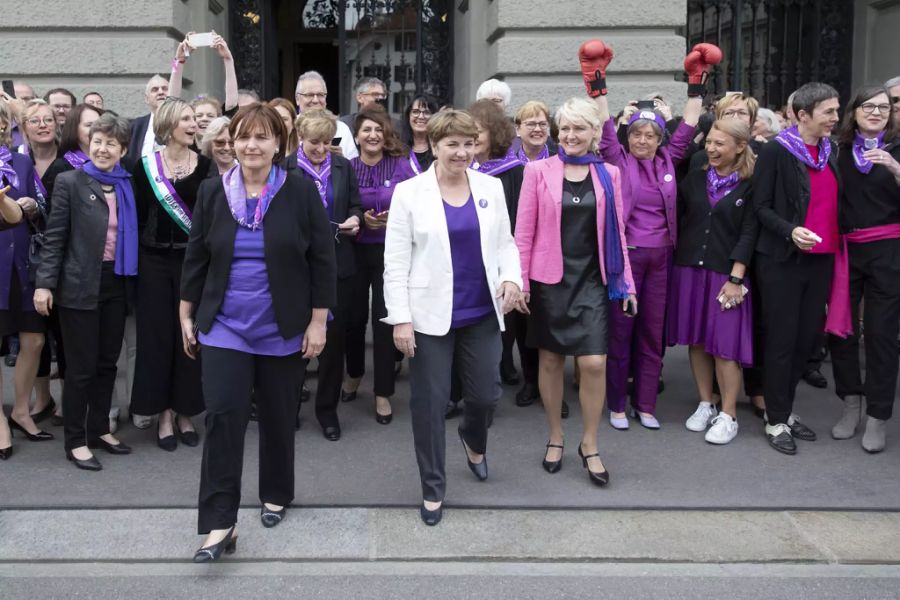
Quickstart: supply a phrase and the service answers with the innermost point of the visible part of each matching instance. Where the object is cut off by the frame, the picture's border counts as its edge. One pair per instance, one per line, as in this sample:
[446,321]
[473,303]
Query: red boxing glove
[697,64]
[594,57]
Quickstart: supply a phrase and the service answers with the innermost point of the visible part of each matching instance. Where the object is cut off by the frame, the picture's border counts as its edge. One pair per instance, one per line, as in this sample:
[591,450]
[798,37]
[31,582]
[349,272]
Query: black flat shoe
[40,436]
[601,478]
[332,433]
[214,552]
[453,410]
[119,448]
[509,375]
[56,421]
[815,379]
[45,412]
[783,441]
[91,464]
[480,469]
[168,443]
[5,453]
[552,466]
[801,431]
[759,412]
[382,419]
[188,438]
[527,395]
[565,410]
[431,517]
[348,396]
[271,518]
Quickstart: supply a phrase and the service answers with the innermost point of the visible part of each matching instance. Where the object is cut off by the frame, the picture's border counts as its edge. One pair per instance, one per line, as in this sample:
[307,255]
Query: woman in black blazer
[89,255]
[257,282]
[336,183]
[709,307]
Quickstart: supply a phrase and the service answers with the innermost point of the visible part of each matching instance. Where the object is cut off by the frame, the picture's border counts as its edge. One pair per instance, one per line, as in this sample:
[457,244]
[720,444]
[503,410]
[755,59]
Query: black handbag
[35,244]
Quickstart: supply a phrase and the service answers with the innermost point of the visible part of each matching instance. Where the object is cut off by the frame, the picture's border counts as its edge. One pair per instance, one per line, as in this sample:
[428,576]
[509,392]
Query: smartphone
[201,40]
[646,105]
[336,141]
[9,88]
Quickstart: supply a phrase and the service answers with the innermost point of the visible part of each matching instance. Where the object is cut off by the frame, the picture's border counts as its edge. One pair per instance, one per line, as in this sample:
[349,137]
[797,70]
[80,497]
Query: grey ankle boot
[873,438]
[846,427]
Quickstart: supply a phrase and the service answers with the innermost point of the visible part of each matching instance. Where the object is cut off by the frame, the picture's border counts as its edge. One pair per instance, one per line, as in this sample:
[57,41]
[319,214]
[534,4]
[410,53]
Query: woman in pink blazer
[575,269]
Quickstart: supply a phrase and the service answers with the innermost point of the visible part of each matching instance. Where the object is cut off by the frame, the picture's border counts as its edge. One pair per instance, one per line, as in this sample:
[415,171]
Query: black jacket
[512,185]
[346,204]
[781,197]
[299,254]
[60,165]
[72,255]
[139,126]
[714,237]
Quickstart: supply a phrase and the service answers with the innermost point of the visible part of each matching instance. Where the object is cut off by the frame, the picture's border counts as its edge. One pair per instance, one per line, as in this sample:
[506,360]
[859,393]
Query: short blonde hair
[167,118]
[451,121]
[729,99]
[6,115]
[214,102]
[531,109]
[580,109]
[213,130]
[740,132]
[319,125]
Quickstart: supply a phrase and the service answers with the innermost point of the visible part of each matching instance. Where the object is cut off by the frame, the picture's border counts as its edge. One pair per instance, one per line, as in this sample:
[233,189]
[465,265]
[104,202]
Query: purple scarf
[718,187]
[236,193]
[860,146]
[495,166]
[127,237]
[790,139]
[544,153]
[77,158]
[322,178]
[7,171]
[614,257]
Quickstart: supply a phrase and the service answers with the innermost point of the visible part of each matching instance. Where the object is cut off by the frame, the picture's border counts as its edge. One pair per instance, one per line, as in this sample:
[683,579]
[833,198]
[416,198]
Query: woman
[766,126]
[382,164]
[451,272]
[89,253]
[533,131]
[416,118]
[215,144]
[709,305]
[636,344]
[870,219]
[335,181]
[258,280]
[166,183]
[576,270]
[206,110]
[208,105]
[74,144]
[11,214]
[287,112]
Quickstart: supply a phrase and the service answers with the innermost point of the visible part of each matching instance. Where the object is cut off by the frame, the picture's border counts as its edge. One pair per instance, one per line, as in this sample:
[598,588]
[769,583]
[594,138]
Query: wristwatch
[736,280]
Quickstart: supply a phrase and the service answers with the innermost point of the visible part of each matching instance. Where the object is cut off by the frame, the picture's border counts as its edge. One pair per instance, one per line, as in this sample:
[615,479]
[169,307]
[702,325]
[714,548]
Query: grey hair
[310,76]
[653,124]
[213,130]
[151,80]
[112,126]
[770,118]
[892,82]
[495,87]
[366,83]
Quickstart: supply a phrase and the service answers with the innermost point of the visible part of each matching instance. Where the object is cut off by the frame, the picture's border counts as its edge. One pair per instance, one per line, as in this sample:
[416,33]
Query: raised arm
[231,82]
[181,55]
[594,57]
[697,64]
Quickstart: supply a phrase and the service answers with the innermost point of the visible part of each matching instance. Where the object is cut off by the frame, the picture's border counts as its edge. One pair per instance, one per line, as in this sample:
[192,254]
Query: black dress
[570,317]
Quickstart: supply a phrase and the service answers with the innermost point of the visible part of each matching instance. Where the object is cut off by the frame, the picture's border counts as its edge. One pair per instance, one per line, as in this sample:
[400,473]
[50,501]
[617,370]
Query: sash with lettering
[165,193]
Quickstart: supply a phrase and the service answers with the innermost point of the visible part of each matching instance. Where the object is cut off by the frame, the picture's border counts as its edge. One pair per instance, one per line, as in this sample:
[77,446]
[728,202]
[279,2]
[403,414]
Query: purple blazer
[14,242]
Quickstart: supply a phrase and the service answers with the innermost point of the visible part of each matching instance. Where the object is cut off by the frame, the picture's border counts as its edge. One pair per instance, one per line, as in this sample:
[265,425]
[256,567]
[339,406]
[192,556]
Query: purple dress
[471,295]
[376,187]
[246,319]
[14,244]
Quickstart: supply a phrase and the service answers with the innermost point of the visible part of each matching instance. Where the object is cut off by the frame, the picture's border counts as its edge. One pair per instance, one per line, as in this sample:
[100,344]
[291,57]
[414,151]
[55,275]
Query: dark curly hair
[376,113]
[491,117]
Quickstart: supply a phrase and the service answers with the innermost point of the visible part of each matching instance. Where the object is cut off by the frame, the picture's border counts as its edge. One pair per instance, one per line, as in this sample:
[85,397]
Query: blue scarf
[127,238]
[614,257]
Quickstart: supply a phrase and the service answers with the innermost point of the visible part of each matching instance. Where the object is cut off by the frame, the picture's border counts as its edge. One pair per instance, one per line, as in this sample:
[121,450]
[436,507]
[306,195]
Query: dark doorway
[321,57]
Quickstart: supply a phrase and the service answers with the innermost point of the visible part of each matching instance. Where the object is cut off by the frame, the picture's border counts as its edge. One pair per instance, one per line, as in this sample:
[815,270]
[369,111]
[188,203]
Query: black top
[781,196]
[299,254]
[60,165]
[425,159]
[714,237]
[139,126]
[156,228]
[697,153]
[869,199]
[512,185]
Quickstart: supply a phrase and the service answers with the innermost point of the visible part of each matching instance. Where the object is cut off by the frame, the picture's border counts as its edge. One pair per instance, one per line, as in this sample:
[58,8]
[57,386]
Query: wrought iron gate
[772,47]
[405,43]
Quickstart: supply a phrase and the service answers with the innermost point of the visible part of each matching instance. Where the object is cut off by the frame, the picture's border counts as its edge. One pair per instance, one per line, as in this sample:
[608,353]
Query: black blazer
[299,251]
[60,165]
[72,255]
[714,237]
[512,185]
[139,128]
[346,204]
[781,198]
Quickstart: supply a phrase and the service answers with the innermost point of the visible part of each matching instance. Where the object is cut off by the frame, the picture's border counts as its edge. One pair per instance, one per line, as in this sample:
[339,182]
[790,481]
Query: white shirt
[348,145]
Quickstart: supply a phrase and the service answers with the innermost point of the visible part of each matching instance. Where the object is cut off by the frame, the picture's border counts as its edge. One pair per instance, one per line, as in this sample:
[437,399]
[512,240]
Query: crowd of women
[247,238]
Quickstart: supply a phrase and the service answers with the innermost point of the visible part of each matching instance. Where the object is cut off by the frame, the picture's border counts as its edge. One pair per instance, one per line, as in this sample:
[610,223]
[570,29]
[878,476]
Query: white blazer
[418,268]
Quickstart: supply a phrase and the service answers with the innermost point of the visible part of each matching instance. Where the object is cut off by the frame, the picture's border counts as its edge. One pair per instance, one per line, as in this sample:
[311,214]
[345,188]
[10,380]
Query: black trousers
[794,294]
[229,376]
[516,332]
[476,351]
[164,376]
[754,382]
[370,275]
[331,361]
[874,278]
[93,339]
[54,333]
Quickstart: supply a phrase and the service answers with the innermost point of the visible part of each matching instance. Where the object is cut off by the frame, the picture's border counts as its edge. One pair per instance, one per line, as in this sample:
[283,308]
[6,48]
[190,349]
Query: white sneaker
[723,430]
[702,417]
[141,421]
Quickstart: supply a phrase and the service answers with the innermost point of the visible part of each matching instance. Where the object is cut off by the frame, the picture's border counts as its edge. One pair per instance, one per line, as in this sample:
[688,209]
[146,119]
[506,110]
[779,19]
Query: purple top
[14,242]
[471,295]
[647,227]
[376,187]
[658,173]
[246,319]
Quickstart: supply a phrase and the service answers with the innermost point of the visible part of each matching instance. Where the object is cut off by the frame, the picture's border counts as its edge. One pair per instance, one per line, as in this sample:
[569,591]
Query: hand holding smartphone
[201,40]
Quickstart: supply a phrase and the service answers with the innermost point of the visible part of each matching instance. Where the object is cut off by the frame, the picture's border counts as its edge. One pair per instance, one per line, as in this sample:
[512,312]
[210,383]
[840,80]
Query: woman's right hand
[405,339]
[804,239]
[189,337]
[43,301]
[184,49]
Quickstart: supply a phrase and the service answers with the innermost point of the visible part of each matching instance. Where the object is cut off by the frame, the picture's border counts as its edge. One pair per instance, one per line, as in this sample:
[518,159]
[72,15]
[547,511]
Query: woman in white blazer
[451,271]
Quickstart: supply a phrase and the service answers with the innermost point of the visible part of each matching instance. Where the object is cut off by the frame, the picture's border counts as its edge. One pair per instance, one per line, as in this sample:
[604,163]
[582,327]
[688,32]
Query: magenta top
[822,212]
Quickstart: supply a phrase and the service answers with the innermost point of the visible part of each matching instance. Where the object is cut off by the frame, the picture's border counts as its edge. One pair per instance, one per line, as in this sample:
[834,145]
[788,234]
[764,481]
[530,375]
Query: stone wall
[109,47]
[876,44]
[533,46]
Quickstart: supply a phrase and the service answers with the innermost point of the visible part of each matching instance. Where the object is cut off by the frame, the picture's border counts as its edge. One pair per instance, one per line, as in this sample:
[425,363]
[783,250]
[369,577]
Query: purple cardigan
[663,169]
[14,242]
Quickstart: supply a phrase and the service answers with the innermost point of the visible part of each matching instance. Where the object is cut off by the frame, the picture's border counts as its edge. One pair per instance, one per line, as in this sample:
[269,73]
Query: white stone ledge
[581,14]
[88,14]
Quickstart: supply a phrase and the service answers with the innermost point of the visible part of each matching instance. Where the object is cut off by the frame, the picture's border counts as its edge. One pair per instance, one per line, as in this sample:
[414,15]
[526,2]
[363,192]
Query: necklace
[576,195]
[180,170]
[108,189]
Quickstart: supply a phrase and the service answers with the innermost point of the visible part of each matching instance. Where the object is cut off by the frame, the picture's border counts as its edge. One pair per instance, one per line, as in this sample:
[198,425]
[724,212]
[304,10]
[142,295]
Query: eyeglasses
[61,107]
[222,143]
[420,112]
[376,96]
[869,108]
[313,95]
[735,114]
[532,125]
[35,122]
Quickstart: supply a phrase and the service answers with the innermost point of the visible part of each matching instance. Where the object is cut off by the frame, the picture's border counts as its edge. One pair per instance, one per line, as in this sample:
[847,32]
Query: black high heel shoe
[45,412]
[119,448]
[5,453]
[383,419]
[212,553]
[552,466]
[431,517]
[601,478]
[271,518]
[168,443]
[40,436]
[480,469]
[90,464]
[188,438]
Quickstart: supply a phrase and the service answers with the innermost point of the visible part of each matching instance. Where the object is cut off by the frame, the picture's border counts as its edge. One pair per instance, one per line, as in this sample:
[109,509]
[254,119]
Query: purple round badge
[482,203]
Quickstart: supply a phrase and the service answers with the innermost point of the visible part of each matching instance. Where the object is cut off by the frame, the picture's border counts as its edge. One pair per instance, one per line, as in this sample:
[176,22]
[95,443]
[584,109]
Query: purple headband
[648,115]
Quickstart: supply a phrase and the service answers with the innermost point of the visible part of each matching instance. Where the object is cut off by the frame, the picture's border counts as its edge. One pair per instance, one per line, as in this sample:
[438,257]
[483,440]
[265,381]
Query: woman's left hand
[732,294]
[374,220]
[313,339]
[880,157]
[28,205]
[509,294]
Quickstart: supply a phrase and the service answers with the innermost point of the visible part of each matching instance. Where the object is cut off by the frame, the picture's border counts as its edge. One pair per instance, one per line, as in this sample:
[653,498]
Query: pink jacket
[539,218]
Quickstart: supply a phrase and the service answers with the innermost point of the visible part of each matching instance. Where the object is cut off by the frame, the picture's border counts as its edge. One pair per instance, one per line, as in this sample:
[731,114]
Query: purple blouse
[14,242]
[376,187]
[472,300]
[246,319]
